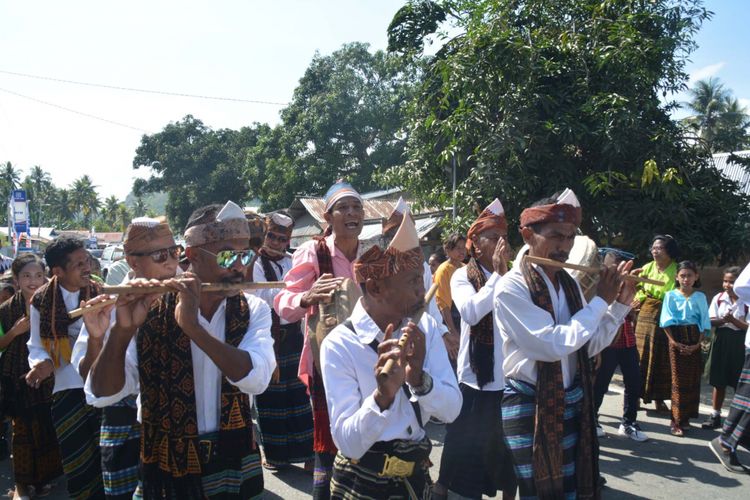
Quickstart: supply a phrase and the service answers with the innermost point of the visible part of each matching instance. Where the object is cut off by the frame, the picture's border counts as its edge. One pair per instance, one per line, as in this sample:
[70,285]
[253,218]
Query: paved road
[665,467]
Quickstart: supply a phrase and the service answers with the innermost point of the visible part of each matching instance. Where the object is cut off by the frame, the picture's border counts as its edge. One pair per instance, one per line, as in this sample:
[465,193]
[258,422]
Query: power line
[144,91]
[81,113]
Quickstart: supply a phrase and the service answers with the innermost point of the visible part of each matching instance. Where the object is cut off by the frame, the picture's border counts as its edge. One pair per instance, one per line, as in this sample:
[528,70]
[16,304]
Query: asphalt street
[665,467]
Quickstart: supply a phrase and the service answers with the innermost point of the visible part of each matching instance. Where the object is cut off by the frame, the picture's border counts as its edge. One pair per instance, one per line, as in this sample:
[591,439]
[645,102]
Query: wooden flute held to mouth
[388,368]
[593,270]
[146,290]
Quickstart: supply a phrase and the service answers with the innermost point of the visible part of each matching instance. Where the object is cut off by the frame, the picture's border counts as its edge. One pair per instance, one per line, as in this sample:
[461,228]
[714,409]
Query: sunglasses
[160,256]
[227,258]
[277,237]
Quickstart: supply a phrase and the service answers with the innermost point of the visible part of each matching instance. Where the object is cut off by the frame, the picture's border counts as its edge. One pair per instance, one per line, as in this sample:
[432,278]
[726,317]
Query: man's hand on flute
[388,386]
[627,288]
[97,319]
[416,350]
[321,291]
[131,309]
[188,302]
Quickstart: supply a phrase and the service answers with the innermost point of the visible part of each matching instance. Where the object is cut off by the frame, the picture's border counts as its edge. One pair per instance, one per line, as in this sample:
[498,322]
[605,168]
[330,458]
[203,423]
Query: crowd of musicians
[154,395]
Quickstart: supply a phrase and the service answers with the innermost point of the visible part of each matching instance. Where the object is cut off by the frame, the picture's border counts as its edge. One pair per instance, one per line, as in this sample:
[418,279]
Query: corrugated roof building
[732,170]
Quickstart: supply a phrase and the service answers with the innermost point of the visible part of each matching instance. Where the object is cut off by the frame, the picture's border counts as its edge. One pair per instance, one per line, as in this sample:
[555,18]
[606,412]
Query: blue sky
[248,49]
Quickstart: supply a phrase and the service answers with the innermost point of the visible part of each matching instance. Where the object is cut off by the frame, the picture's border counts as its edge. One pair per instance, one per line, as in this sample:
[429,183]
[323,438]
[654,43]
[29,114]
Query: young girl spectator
[729,316]
[684,316]
[36,455]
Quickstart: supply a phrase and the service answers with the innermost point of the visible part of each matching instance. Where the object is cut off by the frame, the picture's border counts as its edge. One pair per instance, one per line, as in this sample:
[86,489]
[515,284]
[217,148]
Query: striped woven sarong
[77,426]
[519,413]
[354,482]
[284,412]
[226,478]
[686,374]
[653,349]
[736,428]
[120,448]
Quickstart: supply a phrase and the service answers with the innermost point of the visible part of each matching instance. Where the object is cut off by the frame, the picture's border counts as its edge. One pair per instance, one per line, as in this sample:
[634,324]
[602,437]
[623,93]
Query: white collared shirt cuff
[104,401]
[257,380]
[376,419]
[598,306]
[619,310]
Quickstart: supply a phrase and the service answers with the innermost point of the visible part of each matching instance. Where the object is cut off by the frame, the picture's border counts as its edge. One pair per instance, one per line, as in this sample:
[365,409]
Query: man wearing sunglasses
[284,412]
[318,268]
[151,253]
[199,359]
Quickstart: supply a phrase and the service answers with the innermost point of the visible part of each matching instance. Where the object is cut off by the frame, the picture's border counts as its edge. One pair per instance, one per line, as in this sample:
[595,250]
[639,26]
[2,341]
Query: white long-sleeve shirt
[66,375]
[473,306]
[281,268]
[257,342]
[432,307]
[349,377]
[742,289]
[530,334]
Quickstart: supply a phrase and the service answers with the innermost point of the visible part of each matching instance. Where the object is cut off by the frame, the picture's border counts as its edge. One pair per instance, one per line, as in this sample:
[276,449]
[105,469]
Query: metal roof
[733,170]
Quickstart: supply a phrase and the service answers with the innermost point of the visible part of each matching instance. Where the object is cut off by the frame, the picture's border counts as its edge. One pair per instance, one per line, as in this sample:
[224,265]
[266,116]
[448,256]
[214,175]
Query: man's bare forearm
[108,370]
[234,363]
[93,348]
[448,320]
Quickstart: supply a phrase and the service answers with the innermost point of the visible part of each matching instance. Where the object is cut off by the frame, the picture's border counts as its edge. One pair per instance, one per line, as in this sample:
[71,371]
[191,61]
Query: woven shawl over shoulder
[54,319]
[482,335]
[169,441]
[550,404]
[16,397]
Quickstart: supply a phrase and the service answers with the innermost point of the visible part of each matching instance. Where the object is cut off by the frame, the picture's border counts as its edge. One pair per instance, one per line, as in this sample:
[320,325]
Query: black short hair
[203,215]
[439,256]
[688,264]
[733,270]
[670,245]
[452,241]
[24,259]
[59,250]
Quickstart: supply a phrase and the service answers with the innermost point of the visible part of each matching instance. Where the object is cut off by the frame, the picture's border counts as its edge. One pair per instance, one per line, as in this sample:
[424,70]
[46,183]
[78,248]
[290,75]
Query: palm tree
[708,101]
[123,216]
[139,207]
[85,199]
[61,208]
[732,129]
[10,178]
[109,211]
[40,182]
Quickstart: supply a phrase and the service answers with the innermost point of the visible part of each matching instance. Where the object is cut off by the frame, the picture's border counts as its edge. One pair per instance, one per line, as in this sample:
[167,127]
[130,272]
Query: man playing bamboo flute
[284,412]
[151,253]
[377,417]
[475,460]
[199,359]
[318,268]
[53,334]
[549,334]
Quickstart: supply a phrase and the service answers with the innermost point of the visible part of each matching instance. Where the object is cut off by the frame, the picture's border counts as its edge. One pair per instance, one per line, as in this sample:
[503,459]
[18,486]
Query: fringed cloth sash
[482,335]
[170,449]
[550,404]
[54,319]
[16,396]
[322,439]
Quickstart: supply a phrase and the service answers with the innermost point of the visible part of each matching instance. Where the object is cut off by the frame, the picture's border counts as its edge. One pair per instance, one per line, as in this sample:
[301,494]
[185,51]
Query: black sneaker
[728,458]
[712,422]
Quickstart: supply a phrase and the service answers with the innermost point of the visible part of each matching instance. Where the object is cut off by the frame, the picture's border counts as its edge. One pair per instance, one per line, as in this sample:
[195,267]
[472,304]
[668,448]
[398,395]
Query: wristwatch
[425,388]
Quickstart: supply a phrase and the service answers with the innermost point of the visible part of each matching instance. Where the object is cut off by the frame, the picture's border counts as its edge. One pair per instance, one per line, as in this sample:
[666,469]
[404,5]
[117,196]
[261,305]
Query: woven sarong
[354,482]
[686,374]
[736,428]
[519,415]
[284,412]
[120,448]
[726,357]
[77,426]
[653,349]
[475,460]
[225,478]
[36,454]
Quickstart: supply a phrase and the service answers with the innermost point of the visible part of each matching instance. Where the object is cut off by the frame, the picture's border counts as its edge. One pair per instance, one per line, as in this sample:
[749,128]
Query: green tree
[109,210]
[123,217]
[345,120]
[532,97]
[62,210]
[10,179]
[194,165]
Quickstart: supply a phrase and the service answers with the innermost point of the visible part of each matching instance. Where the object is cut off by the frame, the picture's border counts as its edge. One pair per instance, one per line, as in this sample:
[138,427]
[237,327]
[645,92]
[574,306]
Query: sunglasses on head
[161,255]
[277,237]
[227,258]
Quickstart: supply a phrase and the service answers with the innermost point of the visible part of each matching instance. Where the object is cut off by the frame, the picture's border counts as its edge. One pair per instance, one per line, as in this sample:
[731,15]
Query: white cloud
[706,71]
[745,103]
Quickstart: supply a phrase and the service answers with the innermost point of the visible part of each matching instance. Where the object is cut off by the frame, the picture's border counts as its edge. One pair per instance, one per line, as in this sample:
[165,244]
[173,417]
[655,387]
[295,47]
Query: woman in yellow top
[652,342]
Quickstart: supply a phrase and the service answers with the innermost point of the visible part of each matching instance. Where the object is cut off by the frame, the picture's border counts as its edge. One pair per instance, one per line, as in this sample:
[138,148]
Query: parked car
[110,255]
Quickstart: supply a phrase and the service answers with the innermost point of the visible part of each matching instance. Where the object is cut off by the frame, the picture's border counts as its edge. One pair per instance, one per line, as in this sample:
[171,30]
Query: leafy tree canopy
[535,96]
